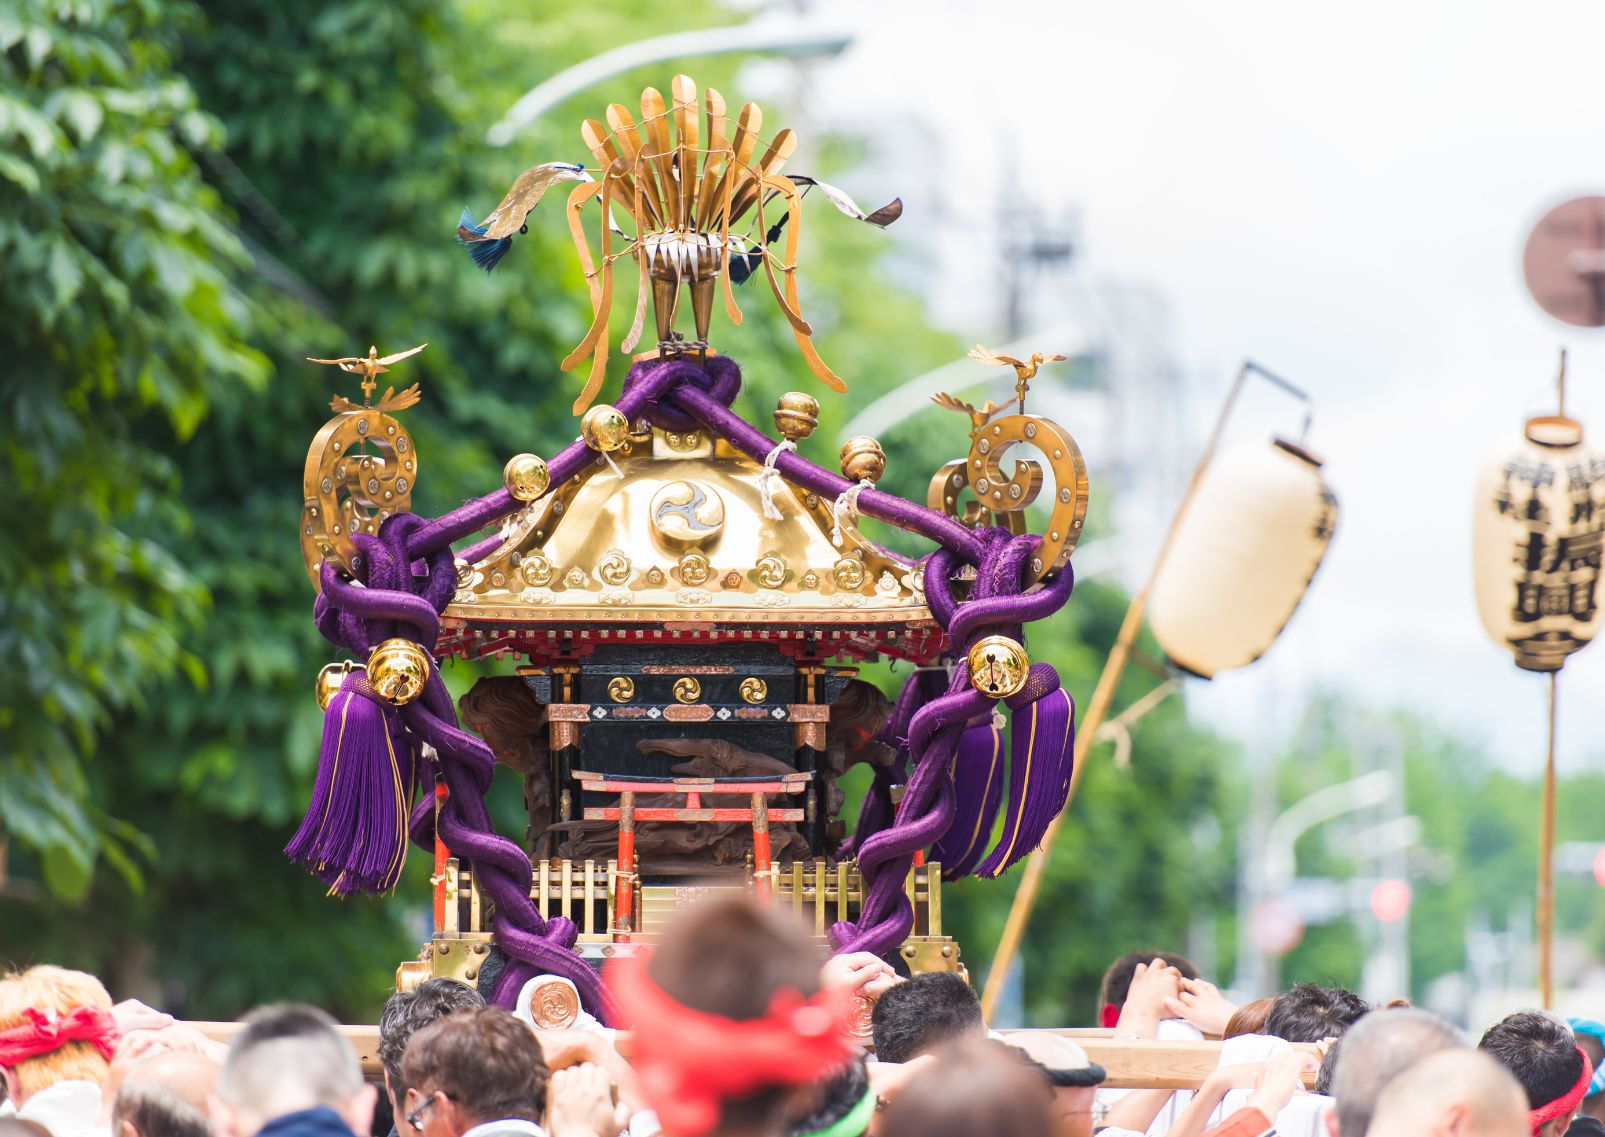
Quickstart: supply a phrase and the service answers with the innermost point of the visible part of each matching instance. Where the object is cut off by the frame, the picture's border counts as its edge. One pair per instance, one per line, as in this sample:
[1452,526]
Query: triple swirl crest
[360,468]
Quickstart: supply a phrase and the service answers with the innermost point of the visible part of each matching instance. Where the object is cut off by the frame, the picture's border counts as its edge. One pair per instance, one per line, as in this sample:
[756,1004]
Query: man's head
[845,1096]
[408,1012]
[289,1058]
[1453,1093]
[1590,1037]
[1075,1078]
[469,1068]
[1541,1052]
[166,1095]
[1309,1013]
[1117,980]
[53,991]
[975,1087]
[1374,1051]
[930,1010]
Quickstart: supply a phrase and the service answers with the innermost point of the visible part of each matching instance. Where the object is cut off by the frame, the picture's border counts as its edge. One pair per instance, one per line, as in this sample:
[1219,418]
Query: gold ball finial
[526,477]
[999,666]
[862,457]
[398,669]
[331,679]
[604,428]
[796,415]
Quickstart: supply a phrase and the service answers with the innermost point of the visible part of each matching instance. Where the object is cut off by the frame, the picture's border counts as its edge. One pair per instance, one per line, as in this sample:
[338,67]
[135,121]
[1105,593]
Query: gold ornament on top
[999,666]
[398,671]
[360,469]
[1025,370]
[796,415]
[696,188]
[526,477]
[862,457]
[605,428]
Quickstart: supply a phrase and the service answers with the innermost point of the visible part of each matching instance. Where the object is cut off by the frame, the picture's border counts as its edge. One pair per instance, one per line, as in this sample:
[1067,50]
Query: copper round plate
[554,1006]
[1564,262]
[859,1013]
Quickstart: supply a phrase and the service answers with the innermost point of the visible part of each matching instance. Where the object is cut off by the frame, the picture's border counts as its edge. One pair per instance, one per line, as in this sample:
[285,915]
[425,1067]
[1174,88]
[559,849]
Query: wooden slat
[590,896]
[1137,1064]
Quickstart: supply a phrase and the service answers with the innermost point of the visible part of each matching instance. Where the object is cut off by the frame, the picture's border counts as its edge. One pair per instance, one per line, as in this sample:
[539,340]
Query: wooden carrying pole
[1546,862]
[1103,694]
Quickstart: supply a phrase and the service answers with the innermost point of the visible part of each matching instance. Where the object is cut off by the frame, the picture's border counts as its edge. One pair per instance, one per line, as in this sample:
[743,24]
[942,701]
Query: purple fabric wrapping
[876,811]
[719,379]
[354,835]
[1040,740]
[977,790]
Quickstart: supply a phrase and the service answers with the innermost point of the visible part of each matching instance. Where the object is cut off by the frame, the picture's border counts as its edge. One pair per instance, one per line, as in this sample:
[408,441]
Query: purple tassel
[354,835]
[977,789]
[1041,734]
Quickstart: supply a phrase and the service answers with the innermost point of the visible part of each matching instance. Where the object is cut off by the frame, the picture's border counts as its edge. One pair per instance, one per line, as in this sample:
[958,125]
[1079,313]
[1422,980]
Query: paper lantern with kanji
[1243,555]
[1536,541]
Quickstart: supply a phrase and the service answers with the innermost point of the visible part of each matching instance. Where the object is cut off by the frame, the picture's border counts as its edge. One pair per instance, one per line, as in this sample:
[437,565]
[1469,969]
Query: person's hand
[860,972]
[1282,1077]
[565,1048]
[132,1015]
[582,1104]
[1200,1002]
[1237,1076]
[1151,984]
[131,1049]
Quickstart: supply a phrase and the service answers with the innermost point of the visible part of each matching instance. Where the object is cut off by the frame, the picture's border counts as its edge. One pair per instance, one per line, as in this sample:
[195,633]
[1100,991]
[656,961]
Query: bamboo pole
[1546,860]
[1103,694]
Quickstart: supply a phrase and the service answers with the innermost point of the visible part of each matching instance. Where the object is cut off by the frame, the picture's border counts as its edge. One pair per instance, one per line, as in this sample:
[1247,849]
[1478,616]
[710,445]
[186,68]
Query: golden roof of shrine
[674,532]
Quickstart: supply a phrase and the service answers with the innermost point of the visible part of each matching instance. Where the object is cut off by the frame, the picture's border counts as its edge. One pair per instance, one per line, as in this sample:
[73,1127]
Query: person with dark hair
[1117,980]
[166,1095]
[289,1073]
[1551,1067]
[1309,1013]
[928,1011]
[405,1014]
[844,1106]
[478,1071]
[974,1089]
[730,1021]
[1374,1051]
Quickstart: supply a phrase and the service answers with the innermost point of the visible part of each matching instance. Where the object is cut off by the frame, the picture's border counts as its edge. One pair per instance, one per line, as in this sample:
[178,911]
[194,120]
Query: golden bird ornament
[1024,369]
[371,366]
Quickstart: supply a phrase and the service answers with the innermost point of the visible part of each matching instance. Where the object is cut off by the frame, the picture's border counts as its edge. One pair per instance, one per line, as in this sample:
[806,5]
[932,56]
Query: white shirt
[506,1127]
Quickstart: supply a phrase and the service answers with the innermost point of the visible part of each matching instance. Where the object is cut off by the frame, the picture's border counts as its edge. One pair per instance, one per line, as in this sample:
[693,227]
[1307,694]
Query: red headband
[41,1032]
[1567,1103]
[1109,1016]
[690,1061]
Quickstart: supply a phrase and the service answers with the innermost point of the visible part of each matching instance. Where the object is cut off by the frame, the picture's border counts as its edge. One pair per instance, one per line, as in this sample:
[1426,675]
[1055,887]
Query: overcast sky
[1340,192]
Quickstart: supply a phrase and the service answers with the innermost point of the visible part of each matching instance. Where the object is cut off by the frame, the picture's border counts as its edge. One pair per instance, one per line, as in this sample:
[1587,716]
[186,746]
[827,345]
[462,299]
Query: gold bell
[604,428]
[526,477]
[999,666]
[330,680]
[398,669]
[862,457]
[796,415]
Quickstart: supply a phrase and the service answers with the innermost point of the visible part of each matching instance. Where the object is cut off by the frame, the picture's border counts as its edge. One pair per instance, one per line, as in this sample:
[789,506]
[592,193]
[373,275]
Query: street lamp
[785,38]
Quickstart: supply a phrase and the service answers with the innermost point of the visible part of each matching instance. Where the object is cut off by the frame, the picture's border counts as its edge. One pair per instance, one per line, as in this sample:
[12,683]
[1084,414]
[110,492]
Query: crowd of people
[736,1030]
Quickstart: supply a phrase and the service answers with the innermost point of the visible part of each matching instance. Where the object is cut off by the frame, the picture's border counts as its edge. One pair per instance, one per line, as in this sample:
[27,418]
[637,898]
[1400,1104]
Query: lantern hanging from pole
[1536,543]
[1243,555]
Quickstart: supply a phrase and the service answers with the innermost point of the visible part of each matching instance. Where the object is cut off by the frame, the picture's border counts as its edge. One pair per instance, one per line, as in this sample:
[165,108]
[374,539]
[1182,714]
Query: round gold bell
[330,680]
[604,428]
[999,666]
[796,415]
[398,669]
[526,477]
[862,457]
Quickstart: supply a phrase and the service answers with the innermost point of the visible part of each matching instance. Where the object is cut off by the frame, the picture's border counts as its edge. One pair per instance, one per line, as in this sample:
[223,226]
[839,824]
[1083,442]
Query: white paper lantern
[1536,542]
[1244,552]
